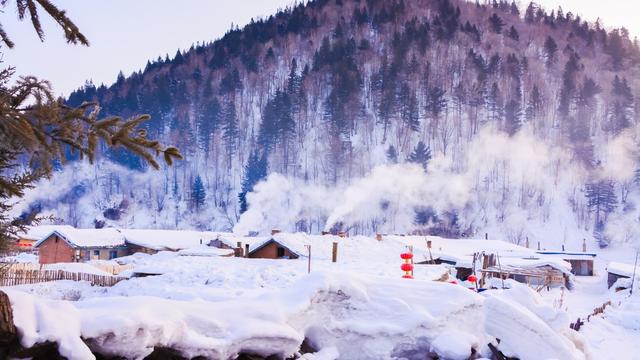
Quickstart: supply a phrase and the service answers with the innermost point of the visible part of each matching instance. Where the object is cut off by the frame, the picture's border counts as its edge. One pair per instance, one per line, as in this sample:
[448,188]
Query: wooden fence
[10,277]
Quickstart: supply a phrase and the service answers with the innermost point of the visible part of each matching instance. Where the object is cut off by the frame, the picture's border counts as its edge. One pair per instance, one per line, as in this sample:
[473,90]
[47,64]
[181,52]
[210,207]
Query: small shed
[581,262]
[272,249]
[617,271]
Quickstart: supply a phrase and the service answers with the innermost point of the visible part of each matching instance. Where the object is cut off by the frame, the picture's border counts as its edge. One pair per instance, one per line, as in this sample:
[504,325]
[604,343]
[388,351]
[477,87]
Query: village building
[581,262]
[620,274]
[80,245]
[151,241]
[488,258]
[272,249]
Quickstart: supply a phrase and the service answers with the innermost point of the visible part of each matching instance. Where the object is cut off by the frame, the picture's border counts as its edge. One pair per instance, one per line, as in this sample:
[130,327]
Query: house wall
[103,253]
[132,249]
[55,250]
[270,251]
[581,267]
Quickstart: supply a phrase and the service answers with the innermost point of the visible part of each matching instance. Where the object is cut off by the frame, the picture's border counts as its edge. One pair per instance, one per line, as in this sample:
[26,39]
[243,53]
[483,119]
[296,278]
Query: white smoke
[619,158]
[391,193]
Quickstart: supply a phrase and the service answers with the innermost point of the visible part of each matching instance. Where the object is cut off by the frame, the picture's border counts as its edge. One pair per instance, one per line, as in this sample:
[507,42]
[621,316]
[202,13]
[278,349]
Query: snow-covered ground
[356,308]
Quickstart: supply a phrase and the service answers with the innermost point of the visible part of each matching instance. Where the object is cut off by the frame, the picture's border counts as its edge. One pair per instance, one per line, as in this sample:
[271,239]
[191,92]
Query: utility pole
[309,261]
[633,278]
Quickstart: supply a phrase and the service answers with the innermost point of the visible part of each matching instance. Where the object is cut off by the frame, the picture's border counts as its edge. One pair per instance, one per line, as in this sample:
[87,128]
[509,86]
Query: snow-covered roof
[296,243]
[568,255]
[168,239]
[623,269]
[87,238]
[535,262]
[460,251]
[39,232]
[205,251]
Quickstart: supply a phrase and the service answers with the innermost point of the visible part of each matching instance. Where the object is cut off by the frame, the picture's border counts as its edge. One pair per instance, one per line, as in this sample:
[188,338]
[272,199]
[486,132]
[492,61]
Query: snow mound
[346,315]
[454,344]
[524,335]
[39,320]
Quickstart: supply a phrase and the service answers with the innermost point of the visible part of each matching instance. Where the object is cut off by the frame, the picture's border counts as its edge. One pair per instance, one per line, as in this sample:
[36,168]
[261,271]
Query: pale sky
[124,34]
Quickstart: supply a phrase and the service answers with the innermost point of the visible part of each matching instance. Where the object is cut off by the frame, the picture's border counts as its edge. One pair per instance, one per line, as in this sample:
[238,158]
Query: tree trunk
[8,333]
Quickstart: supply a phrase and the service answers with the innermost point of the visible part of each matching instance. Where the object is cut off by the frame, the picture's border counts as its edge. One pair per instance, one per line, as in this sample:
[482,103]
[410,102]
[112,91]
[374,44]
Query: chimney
[562,247]
[239,250]
[584,245]
[538,245]
[486,236]
[342,234]
[379,237]
[527,243]
[275,231]
[325,233]
[428,244]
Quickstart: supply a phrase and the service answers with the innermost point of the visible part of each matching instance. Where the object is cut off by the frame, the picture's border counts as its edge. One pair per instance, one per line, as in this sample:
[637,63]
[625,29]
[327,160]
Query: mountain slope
[525,121]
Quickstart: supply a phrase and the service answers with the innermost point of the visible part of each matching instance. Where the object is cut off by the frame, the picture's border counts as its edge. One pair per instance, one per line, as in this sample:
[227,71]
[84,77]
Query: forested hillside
[512,113]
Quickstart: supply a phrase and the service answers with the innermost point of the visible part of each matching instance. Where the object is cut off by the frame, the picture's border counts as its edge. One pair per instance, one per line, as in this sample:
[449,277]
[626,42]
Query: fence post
[334,252]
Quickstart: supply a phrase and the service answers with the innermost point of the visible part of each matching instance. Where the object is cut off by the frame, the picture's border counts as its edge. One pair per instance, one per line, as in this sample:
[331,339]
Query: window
[113,254]
[280,251]
[96,252]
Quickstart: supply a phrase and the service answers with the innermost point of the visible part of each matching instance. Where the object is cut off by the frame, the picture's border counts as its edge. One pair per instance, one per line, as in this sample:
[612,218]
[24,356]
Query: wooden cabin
[272,249]
[581,262]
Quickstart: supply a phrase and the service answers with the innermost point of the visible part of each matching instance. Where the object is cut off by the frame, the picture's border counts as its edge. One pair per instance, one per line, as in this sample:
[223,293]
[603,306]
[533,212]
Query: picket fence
[11,277]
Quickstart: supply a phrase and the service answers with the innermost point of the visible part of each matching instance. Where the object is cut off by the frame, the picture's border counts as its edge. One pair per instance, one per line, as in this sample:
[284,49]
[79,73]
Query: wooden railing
[11,277]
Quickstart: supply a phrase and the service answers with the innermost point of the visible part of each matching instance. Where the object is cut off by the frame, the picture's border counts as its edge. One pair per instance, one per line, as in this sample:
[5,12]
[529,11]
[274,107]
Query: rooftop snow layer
[623,269]
[39,232]
[87,238]
[205,251]
[167,239]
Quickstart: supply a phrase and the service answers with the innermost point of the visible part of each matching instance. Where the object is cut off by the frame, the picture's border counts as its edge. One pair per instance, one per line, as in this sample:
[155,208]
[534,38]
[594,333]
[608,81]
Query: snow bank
[454,344]
[205,251]
[39,320]
[355,316]
[76,268]
[524,335]
[21,258]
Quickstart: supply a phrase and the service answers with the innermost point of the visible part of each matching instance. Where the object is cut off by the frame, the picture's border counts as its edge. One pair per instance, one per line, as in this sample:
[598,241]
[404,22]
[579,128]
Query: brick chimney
[379,237]
[275,231]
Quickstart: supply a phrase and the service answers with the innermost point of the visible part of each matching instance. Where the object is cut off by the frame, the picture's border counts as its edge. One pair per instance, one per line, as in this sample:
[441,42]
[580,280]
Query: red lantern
[472,278]
[406,256]
[406,267]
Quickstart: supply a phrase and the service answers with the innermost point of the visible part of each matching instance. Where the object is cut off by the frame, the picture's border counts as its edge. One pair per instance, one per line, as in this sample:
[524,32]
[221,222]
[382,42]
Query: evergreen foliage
[254,172]
[198,193]
[42,130]
[421,155]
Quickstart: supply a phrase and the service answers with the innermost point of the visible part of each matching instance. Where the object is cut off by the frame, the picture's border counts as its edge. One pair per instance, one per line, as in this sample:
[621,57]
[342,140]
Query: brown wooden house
[81,245]
[272,249]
